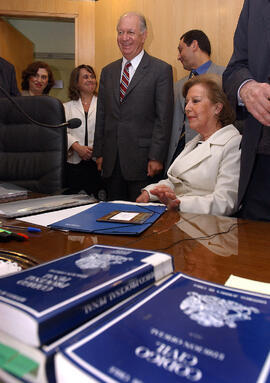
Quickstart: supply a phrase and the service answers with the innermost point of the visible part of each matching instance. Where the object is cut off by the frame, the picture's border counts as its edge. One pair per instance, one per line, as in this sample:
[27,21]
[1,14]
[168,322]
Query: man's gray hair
[143,25]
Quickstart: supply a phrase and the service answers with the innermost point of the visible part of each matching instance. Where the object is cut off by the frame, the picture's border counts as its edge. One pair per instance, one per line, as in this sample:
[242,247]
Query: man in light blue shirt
[194,53]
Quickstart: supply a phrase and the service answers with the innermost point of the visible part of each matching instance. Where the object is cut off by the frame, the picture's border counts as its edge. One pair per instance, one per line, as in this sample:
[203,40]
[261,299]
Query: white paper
[248,284]
[45,219]
[124,216]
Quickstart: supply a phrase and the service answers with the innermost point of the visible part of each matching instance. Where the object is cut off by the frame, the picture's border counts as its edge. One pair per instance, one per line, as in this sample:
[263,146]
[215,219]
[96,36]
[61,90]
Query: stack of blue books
[42,308]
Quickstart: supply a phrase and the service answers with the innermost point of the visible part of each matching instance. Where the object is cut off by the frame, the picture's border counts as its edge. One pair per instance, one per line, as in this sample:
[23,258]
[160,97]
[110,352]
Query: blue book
[186,330]
[20,362]
[43,303]
[109,218]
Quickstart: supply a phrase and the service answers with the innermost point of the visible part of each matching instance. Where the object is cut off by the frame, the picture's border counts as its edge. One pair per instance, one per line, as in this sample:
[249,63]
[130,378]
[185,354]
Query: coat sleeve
[72,134]
[165,182]
[237,70]
[100,119]
[14,91]
[164,101]
[223,200]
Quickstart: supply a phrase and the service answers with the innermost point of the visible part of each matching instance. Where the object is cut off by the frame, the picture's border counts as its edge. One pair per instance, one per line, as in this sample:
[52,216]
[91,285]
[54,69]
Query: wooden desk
[243,249]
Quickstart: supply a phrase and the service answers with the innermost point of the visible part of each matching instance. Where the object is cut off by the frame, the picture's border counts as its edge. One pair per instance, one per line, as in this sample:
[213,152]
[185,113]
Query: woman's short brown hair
[73,91]
[212,84]
[32,70]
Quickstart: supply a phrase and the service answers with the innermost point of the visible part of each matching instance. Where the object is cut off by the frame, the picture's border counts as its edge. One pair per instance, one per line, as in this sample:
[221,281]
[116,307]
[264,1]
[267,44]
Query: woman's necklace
[86,102]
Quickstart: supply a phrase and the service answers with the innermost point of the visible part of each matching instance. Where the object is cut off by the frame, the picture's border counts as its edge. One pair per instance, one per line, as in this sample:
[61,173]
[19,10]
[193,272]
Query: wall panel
[95,25]
[83,12]
[167,21]
[15,48]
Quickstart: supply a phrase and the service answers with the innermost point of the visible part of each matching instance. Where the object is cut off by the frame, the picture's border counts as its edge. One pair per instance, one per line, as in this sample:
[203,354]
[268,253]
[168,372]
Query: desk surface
[207,247]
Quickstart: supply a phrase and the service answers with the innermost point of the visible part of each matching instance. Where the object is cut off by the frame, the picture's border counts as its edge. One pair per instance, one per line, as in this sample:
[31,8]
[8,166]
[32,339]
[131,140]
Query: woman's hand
[143,197]
[167,196]
[85,152]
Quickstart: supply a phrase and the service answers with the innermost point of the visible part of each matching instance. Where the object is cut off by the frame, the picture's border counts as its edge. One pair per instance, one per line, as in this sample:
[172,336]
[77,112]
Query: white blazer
[205,176]
[74,109]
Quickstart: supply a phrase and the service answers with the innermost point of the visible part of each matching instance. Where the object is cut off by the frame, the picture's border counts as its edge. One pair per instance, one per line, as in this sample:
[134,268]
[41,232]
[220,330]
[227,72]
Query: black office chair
[33,156]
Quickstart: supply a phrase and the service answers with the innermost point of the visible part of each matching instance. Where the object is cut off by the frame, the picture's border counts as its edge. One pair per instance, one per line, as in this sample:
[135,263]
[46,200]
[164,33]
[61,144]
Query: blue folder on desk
[86,221]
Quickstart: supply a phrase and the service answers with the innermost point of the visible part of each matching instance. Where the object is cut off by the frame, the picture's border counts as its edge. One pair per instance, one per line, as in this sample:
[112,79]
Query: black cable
[72,124]
[210,236]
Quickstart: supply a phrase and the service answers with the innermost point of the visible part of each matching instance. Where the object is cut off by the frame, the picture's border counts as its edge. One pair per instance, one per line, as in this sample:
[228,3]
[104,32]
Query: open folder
[112,218]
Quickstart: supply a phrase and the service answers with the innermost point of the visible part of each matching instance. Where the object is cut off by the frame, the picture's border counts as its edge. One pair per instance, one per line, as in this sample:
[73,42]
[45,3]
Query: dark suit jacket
[139,128]
[250,60]
[8,78]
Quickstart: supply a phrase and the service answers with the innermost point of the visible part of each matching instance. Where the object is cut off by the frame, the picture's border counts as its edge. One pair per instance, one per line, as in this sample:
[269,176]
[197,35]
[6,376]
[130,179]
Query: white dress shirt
[134,65]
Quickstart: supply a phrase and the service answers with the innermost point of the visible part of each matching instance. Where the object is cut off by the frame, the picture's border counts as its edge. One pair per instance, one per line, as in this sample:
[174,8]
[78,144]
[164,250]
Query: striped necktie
[124,81]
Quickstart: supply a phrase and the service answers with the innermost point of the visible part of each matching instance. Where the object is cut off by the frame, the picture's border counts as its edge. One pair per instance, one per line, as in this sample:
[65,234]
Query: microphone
[71,124]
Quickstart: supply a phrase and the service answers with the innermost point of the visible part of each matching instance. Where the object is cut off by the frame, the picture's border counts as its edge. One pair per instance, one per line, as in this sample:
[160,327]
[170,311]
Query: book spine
[57,324]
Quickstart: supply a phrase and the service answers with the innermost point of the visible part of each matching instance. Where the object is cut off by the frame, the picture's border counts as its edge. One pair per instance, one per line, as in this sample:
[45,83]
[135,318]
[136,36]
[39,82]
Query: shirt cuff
[240,101]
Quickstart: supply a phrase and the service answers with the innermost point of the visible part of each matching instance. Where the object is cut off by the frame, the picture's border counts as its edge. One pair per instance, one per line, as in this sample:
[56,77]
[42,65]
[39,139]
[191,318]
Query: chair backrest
[33,156]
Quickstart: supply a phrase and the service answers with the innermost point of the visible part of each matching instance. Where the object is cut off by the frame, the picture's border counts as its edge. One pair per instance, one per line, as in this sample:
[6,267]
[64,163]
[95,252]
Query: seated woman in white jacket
[204,177]
[82,173]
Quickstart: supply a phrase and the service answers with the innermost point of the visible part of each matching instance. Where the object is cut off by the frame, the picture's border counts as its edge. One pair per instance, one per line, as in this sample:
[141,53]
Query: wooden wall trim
[82,12]
[31,14]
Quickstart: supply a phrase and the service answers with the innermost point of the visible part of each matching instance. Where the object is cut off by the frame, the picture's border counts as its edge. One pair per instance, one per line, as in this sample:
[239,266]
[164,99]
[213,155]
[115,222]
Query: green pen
[4,236]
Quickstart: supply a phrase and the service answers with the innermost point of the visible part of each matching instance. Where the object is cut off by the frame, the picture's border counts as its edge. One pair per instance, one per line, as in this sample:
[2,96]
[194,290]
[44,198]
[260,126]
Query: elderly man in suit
[246,82]
[8,78]
[194,53]
[134,114]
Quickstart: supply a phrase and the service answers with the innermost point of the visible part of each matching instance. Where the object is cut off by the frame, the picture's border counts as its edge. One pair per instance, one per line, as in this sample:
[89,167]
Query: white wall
[47,36]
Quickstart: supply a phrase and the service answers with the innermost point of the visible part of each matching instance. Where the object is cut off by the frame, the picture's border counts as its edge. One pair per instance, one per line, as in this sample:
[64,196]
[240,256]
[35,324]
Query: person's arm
[73,136]
[167,196]
[164,193]
[154,167]
[254,95]
[163,120]
[14,91]
[152,197]
[256,98]
[177,124]
[100,124]
[237,70]
[85,152]
[223,199]
[144,197]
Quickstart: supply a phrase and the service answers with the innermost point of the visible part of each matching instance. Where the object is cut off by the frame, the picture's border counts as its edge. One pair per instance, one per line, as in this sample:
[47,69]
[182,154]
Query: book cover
[187,330]
[92,220]
[10,191]
[20,362]
[38,205]
[43,303]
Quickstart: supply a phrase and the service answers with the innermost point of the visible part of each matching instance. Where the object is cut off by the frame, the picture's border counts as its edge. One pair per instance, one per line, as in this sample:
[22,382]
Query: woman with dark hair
[37,79]
[204,177]
[82,173]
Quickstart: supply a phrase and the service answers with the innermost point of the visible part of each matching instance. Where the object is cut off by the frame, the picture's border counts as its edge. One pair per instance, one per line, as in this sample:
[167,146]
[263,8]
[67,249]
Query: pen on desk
[29,229]
[7,235]
[4,236]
